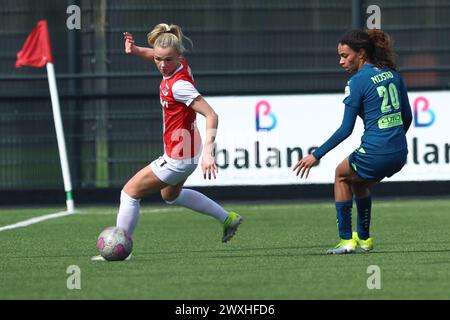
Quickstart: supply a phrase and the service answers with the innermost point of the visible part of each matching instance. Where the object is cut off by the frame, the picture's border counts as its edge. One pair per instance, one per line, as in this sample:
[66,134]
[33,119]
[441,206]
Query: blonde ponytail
[164,36]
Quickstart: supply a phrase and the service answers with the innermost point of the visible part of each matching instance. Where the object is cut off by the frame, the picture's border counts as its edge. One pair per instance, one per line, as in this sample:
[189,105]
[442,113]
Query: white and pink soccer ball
[114,244]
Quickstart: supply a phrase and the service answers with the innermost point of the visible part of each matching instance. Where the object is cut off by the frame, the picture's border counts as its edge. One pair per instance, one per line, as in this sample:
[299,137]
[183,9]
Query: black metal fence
[109,101]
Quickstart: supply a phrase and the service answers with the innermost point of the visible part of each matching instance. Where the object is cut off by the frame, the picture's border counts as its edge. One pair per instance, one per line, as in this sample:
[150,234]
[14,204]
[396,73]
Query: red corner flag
[36,51]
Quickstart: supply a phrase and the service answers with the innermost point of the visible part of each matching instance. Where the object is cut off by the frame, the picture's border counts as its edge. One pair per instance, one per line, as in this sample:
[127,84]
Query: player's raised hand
[129,42]
[304,165]
[209,166]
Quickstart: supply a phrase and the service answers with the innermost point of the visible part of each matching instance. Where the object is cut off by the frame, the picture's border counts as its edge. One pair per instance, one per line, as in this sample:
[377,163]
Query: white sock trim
[126,197]
[173,201]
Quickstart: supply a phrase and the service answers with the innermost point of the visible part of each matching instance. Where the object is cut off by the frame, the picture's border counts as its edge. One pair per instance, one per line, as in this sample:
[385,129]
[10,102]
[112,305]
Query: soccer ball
[114,244]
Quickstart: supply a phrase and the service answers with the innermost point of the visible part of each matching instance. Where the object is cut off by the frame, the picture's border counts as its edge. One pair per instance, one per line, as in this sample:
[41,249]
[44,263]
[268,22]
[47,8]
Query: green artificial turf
[277,253]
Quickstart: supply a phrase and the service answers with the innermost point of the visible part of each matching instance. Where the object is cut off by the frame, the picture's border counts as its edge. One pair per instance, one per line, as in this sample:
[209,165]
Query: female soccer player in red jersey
[181,102]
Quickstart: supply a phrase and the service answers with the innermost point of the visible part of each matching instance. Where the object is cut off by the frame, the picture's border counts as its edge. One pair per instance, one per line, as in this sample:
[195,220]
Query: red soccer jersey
[181,137]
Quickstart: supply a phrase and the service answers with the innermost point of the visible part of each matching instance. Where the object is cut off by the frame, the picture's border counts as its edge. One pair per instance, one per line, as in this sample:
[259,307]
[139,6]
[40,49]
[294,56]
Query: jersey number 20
[385,93]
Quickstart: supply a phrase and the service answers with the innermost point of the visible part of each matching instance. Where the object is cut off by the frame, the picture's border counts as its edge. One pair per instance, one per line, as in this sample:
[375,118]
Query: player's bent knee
[169,198]
[343,174]
[340,175]
[131,192]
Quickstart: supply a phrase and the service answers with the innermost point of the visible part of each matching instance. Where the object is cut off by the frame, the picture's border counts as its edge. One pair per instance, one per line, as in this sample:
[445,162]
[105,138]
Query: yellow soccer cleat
[366,245]
[230,226]
[343,247]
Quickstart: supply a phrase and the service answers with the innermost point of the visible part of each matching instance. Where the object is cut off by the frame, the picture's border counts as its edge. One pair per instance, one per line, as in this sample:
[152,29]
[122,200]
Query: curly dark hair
[377,44]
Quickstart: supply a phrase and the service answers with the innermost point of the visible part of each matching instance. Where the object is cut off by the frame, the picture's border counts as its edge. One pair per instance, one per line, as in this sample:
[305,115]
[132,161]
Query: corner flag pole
[60,137]
[36,52]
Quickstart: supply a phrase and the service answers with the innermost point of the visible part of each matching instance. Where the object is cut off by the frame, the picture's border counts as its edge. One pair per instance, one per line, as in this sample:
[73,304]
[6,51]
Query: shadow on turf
[322,252]
[235,249]
[231,252]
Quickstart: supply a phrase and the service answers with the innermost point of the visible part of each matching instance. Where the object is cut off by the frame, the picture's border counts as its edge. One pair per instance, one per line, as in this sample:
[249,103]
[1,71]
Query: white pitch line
[28,222]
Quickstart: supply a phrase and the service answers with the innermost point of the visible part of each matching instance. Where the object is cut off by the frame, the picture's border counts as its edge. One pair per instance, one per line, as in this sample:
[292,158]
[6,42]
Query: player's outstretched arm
[132,49]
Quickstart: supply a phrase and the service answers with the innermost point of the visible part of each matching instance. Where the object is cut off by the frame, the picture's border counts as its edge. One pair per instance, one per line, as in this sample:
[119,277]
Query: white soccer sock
[199,202]
[128,215]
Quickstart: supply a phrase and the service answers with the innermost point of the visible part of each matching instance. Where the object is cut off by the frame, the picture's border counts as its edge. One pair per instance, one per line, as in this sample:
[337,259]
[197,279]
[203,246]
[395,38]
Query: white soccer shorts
[173,171]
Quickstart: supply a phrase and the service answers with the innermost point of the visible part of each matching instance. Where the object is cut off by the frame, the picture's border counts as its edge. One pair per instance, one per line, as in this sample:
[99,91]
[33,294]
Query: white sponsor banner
[428,138]
[261,138]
